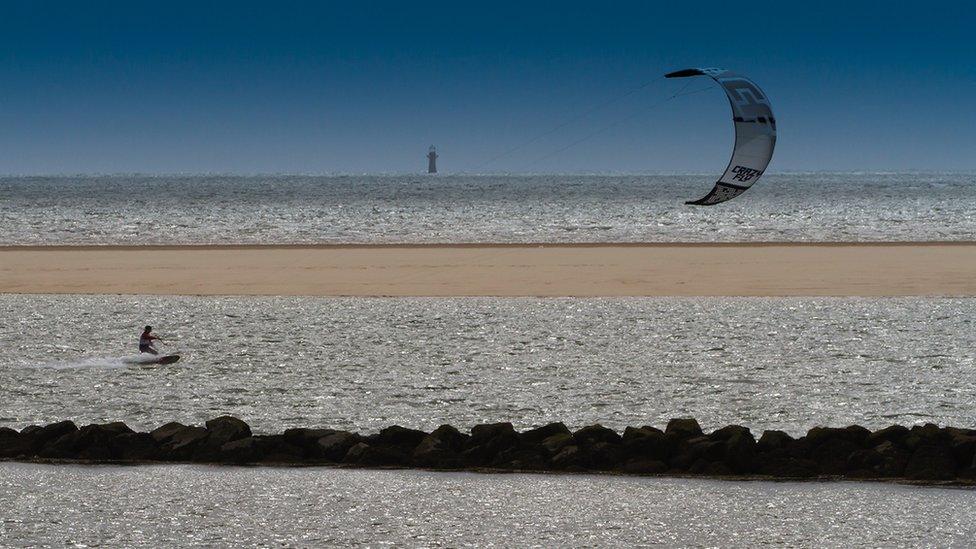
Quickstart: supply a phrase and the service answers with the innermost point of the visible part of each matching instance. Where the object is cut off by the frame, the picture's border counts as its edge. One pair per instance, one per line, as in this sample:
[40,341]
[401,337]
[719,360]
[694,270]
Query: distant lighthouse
[432,159]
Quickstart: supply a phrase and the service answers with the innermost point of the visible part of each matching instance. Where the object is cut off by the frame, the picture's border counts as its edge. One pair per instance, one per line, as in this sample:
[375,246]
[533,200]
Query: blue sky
[352,87]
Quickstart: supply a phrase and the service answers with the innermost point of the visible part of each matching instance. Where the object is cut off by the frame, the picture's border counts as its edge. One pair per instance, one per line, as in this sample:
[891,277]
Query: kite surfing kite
[755,134]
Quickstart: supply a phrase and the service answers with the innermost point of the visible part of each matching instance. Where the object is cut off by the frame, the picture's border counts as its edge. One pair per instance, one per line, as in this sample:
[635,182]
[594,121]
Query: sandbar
[545,270]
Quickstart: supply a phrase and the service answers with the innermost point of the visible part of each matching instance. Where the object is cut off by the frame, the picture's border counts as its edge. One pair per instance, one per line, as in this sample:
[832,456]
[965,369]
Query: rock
[926,435]
[407,439]
[893,460]
[963,447]
[437,453]
[740,452]
[525,458]
[567,459]
[180,445]
[225,429]
[730,431]
[537,435]
[488,431]
[307,439]
[593,434]
[450,436]
[832,454]
[683,428]
[355,452]
[774,440]
[895,434]
[603,456]
[368,455]
[640,466]
[557,442]
[164,433]
[279,450]
[861,461]
[632,433]
[931,462]
[135,447]
[335,446]
[698,448]
[242,450]
[487,441]
[38,438]
[91,442]
[646,444]
[255,449]
[855,434]
[30,430]
[11,443]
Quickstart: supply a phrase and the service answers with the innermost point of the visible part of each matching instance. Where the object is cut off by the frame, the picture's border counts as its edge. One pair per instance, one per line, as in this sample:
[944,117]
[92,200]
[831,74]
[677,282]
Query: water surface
[364,363]
[186,505]
[551,208]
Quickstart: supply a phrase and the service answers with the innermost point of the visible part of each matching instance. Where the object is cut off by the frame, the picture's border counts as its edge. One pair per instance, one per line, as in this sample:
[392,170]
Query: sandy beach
[738,269]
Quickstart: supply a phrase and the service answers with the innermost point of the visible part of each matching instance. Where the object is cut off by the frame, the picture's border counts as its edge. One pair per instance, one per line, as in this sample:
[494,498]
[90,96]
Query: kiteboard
[168,359]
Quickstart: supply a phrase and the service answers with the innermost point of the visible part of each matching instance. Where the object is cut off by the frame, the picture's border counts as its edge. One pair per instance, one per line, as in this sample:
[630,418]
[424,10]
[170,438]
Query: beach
[499,270]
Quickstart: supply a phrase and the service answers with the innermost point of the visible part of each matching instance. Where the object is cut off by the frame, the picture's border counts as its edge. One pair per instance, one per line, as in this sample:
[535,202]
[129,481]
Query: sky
[565,87]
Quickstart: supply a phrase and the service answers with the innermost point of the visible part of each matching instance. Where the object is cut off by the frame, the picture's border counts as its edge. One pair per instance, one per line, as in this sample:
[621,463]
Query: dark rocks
[774,440]
[334,447]
[922,453]
[37,438]
[487,442]
[740,452]
[597,433]
[931,462]
[257,449]
[307,440]
[91,442]
[180,445]
[534,436]
[644,467]
[440,449]
[399,436]
[225,429]
[894,434]
[135,447]
[686,427]
[556,443]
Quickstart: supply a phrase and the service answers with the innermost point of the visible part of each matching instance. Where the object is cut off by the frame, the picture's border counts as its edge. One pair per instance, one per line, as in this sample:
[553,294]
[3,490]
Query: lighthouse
[432,159]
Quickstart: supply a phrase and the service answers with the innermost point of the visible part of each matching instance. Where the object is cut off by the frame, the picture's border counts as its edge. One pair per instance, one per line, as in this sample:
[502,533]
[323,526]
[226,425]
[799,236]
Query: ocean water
[566,208]
[354,363]
[186,505]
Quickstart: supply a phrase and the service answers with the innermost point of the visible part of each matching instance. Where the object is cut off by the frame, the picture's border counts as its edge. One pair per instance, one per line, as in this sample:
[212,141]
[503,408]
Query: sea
[215,209]
[365,363]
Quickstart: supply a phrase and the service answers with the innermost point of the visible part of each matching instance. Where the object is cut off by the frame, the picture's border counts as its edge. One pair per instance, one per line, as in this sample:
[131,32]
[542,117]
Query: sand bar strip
[668,269]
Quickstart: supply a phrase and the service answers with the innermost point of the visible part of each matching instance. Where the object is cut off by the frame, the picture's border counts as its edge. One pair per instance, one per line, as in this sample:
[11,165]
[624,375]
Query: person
[145,342]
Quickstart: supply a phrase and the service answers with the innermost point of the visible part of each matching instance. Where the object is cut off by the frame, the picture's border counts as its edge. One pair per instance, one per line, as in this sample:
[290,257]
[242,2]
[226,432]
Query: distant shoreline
[500,270]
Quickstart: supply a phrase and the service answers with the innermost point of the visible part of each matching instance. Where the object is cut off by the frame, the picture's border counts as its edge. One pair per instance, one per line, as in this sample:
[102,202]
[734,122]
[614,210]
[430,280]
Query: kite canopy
[755,133]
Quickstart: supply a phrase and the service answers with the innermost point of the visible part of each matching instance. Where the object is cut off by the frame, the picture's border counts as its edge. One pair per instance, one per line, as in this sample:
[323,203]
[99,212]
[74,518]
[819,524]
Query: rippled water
[786,363]
[184,505]
[304,209]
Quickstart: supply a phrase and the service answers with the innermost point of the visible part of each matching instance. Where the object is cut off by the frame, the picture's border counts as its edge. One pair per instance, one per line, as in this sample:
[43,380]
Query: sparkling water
[361,209]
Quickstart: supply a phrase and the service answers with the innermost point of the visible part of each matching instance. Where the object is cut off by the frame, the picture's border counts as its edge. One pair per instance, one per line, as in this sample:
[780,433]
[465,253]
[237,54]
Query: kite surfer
[146,342]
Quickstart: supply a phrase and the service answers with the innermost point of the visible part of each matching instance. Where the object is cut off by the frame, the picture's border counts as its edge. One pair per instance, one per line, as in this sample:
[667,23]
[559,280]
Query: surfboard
[168,359]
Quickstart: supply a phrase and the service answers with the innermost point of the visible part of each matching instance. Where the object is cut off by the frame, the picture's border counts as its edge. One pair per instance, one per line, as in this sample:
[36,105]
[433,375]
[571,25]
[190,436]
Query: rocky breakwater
[926,453]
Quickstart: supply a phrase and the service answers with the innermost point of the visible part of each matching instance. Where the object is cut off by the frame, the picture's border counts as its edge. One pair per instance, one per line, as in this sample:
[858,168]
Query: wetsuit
[145,344]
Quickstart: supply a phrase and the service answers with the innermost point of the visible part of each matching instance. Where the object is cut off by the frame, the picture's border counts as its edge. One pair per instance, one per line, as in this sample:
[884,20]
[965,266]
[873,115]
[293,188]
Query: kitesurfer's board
[143,360]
